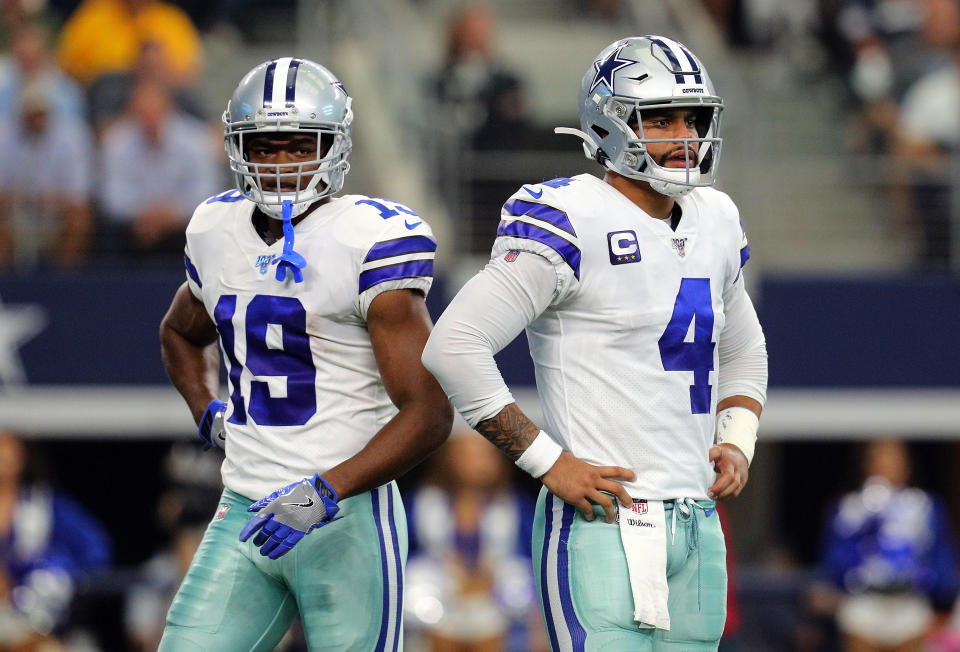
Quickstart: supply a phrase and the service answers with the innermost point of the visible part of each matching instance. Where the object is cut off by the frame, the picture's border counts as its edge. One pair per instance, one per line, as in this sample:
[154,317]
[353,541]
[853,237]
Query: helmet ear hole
[707,162]
[603,133]
[703,118]
[323,147]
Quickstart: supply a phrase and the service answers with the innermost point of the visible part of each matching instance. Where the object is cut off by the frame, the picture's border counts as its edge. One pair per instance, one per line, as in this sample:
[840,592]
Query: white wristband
[540,455]
[738,426]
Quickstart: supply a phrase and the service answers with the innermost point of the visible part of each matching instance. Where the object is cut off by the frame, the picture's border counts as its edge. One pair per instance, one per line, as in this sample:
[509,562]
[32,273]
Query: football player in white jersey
[650,361]
[317,303]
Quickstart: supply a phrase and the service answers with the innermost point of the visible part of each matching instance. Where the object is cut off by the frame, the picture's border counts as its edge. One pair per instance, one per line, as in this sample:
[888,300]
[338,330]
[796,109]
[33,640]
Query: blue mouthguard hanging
[289,260]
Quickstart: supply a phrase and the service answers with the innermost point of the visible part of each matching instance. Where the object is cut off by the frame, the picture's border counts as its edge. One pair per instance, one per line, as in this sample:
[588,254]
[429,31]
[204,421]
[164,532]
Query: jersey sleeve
[400,258]
[193,276]
[539,224]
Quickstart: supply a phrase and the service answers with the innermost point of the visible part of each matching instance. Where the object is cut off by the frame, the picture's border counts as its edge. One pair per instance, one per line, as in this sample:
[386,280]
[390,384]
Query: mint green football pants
[345,580]
[584,588]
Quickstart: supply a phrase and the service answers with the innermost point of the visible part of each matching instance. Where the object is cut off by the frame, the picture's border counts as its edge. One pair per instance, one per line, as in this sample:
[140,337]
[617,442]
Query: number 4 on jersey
[693,304]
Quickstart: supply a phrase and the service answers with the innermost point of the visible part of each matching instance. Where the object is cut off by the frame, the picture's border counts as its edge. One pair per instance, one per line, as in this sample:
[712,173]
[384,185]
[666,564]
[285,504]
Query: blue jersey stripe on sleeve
[410,269]
[744,255]
[191,270]
[541,212]
[567,250]
[398,246]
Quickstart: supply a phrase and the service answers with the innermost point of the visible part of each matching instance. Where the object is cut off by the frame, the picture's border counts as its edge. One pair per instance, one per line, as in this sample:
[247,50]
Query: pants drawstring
[685,507]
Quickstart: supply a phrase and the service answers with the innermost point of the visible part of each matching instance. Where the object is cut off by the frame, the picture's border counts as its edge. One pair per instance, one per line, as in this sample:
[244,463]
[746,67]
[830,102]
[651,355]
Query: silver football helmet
[638,74]
[289,95]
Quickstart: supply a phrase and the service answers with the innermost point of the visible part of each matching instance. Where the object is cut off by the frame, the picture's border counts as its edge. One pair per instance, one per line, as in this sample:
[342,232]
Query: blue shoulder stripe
[567,250]
[410,269]
[191,270]
[406,245]
[541,212]
[744,255]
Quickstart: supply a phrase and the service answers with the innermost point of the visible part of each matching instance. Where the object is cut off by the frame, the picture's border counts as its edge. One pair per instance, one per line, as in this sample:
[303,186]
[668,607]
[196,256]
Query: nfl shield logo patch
[221,512]
[512,255]
[639,506]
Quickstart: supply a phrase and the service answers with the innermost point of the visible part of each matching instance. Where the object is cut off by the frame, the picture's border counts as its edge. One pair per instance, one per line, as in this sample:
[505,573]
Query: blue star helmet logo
[605,69]
[339,86]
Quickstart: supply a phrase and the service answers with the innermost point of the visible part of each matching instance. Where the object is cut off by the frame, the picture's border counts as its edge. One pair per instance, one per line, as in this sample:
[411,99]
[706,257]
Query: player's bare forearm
[399,325]
[510,431]
[188,348]
[729,462]
[417,430]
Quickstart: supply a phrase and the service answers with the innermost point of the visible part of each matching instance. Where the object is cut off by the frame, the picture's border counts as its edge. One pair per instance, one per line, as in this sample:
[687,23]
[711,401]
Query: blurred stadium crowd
[842,138]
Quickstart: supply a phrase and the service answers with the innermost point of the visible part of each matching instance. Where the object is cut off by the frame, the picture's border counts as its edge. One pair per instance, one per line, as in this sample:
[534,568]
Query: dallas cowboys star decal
[339,87]
[604,69]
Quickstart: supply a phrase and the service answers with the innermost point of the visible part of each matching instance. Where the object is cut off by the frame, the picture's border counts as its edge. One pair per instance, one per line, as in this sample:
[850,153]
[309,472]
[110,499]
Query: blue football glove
[211,428]
[285,516]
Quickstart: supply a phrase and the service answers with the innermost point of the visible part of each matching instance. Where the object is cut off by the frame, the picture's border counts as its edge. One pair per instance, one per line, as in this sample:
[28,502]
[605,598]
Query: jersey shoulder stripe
[567,250]
[399,246]
[192,270]
[525,209]
[397,271]
[544,224]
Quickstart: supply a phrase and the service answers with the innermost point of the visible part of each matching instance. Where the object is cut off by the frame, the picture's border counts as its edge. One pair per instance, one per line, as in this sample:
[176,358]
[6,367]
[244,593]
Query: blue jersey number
[693,304]
[386,211]
[277,345]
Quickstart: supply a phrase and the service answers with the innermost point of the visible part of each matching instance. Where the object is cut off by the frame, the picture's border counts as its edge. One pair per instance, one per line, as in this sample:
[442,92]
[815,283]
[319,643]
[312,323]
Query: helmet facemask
[631,158]
[261,181]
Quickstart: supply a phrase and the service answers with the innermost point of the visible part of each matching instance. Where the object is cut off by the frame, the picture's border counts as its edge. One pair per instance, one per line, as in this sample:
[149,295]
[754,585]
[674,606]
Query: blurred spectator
[469,581]
[157,165]
[929,140]
[46,541]
[104,36]
[730,641]
[183,509]
[478,93]
[110,93]
[45,215]
[31,62]
[889,550]
[483,113]
[885,40]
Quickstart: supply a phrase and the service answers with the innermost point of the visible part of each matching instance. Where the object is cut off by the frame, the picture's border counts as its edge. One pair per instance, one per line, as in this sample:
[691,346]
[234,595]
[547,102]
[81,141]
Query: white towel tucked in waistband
[643,531]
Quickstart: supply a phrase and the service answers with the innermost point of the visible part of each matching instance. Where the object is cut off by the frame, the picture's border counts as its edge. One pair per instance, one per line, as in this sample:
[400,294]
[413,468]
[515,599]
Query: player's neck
[271,229]
[640,193]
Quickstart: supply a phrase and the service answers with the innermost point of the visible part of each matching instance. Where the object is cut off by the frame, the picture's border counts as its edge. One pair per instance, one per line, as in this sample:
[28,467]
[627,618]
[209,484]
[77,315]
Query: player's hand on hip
[211,428]
[583,485]
[732,471]
[286,515]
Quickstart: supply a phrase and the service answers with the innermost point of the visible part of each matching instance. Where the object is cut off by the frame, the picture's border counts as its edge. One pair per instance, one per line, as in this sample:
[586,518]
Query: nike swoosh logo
[412,226]
[307,504]
[535,195]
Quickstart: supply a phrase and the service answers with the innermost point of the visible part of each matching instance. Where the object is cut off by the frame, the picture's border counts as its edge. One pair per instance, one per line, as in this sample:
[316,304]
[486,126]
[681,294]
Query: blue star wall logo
[604,69]
[18,324]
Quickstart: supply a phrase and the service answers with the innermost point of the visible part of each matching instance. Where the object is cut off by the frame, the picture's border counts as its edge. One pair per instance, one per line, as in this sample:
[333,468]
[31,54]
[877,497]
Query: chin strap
[289,260]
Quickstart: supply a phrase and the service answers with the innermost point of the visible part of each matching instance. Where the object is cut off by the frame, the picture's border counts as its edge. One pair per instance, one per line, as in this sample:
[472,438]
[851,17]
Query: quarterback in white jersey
[317,304]
[650,361]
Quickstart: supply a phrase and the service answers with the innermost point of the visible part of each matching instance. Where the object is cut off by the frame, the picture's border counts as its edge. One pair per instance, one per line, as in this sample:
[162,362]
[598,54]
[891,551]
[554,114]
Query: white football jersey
[626,354]
[305,389]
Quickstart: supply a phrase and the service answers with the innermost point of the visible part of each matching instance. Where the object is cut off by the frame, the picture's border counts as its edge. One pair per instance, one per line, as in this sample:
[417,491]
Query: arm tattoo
[510,431]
